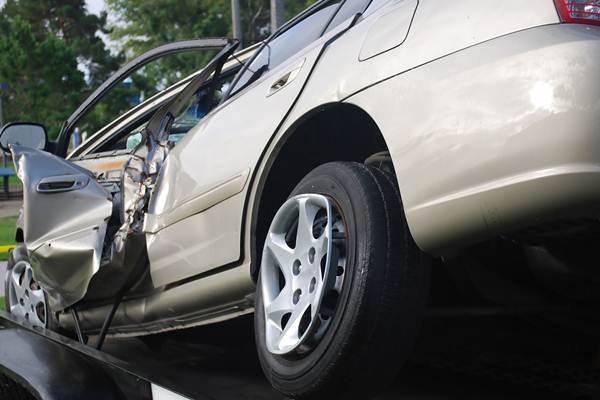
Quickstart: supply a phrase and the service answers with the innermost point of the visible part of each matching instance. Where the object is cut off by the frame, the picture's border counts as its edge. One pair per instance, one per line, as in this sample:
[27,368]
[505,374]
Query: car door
[194,221]
[68,211]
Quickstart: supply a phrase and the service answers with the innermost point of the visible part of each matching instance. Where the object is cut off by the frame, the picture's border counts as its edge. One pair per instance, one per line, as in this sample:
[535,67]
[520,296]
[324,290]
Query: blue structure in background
[128,84]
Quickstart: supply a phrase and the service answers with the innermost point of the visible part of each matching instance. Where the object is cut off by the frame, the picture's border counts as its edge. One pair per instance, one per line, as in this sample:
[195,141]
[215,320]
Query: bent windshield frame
[129,68]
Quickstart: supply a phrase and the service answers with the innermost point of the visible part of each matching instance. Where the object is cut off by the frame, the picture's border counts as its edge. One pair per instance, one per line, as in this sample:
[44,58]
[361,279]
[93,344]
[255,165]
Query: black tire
[20,254]
[383,296]
[11,390]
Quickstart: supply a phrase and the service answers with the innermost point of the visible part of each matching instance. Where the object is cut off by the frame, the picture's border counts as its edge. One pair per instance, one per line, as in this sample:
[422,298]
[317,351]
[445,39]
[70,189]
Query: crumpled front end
[85,234]
[65,216]
[76,226]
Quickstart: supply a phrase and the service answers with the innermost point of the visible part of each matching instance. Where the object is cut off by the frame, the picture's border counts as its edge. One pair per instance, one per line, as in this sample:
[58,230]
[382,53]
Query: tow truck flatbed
[466,352]
[53,367]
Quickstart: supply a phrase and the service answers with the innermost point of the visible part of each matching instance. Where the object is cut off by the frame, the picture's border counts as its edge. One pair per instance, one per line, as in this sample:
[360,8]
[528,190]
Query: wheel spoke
[37,296]
[28,278]
[281,252]
[290,335]
[322,247]
[17,310]
[306,218]
[16,284]
[280,306]
[22,299]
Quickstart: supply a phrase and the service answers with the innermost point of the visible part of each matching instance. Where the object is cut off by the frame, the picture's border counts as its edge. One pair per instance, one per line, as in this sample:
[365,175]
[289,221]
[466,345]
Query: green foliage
[144,24]
[42,43]
[45,43]
[7,230]
[42,75]
[69,21]
[7,237]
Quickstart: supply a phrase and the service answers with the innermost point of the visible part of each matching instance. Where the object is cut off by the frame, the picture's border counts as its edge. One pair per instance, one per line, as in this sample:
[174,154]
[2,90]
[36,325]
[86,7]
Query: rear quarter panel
[438,29]
[500,136]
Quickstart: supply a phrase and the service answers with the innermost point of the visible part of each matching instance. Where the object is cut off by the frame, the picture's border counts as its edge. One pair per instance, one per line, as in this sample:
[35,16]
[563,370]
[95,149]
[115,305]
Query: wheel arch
[330,132]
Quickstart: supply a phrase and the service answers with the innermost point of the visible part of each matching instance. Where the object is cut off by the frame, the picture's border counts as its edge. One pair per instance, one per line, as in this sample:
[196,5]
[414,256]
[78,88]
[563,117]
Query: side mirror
[24,134]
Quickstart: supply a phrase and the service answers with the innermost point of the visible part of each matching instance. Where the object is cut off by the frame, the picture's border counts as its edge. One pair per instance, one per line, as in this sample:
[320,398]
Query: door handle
[62,183]
[285,79]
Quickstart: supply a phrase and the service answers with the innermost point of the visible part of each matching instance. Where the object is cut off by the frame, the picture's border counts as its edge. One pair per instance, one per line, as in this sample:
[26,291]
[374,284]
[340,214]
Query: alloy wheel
[302,272]
[26,297]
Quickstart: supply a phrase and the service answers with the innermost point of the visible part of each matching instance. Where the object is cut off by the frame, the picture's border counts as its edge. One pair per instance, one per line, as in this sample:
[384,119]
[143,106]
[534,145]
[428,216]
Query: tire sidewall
[365,250]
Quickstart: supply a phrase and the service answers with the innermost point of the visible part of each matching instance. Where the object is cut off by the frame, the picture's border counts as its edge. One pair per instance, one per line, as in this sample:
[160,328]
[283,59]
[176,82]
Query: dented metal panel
[74,225]
[65,215]
[142,170]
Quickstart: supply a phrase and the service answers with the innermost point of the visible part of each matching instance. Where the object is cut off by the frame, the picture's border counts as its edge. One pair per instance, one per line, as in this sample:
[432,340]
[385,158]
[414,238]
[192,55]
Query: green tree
[144,24]
[44,84]
[43,44]
[70,21]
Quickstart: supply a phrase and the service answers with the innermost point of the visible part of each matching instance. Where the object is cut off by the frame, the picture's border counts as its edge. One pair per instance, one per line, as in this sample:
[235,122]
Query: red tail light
[579,11]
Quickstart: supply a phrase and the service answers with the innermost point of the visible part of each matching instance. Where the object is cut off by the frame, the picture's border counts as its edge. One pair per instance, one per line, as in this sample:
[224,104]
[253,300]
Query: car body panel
[65,243]
[472,23]
[389,30]
[221,192]
[427,40]
[499,128]
[209,241]
[465,98]
[67,246]
[226,143]
[213,298]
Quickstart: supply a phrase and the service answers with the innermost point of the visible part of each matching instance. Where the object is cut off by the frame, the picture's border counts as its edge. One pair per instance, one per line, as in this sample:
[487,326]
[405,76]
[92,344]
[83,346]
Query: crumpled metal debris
[66,216]
[139,179]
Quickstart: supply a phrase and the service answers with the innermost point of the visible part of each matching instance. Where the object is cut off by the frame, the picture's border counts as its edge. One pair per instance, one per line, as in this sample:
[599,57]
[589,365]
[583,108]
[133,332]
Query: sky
[94,6]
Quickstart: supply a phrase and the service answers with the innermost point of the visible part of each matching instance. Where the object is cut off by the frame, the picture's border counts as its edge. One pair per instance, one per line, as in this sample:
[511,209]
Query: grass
[7,233]
[1,303]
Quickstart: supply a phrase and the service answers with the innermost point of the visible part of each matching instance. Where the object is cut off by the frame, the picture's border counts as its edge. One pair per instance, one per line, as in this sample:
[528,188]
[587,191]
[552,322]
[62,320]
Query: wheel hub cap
[26,298]
[302,265]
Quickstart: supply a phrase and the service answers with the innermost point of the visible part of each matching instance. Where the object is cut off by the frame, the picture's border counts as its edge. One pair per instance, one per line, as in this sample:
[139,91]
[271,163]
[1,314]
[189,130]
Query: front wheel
[342,285]
[25,299]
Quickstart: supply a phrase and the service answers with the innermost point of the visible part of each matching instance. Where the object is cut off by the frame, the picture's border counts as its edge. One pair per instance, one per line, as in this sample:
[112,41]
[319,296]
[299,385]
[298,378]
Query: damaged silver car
[312,179]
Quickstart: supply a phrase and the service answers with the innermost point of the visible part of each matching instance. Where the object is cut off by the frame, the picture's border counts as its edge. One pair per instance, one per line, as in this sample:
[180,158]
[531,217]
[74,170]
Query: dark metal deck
[473,356]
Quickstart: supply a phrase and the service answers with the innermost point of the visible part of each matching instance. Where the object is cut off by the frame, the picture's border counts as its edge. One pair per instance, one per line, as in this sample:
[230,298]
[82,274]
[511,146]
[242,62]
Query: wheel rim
[302,272]
[26,298]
